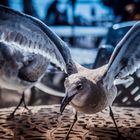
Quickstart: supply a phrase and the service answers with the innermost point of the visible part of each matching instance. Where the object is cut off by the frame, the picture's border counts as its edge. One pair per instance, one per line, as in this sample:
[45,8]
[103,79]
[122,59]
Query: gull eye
[66,78]
[79,86]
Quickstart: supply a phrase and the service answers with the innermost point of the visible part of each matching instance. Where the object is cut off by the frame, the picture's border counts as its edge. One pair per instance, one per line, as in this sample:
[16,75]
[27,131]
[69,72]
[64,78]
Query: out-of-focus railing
[69,31]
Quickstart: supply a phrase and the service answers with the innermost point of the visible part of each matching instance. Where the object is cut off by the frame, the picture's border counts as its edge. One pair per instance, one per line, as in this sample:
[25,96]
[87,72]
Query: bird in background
[27,46]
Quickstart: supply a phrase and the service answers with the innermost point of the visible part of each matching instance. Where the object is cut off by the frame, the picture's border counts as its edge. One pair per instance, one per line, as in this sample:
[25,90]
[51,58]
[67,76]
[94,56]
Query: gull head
[82,93]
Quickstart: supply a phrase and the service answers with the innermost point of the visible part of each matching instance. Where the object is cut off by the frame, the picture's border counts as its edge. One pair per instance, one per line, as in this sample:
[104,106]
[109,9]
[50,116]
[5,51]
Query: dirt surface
[45,123]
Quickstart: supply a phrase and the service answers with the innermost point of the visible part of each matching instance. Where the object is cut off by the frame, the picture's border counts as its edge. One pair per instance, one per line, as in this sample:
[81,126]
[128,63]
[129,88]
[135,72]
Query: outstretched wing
[29,34]
[125,59]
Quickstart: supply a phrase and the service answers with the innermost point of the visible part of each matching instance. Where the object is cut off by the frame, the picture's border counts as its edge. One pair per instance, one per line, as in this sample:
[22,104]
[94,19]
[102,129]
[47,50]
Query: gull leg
[120,137]
[24,103]
[112,116]
[22,100]
[0,93]
[74,121]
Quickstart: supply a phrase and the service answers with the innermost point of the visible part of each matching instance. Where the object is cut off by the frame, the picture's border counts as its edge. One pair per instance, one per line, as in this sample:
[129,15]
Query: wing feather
[125,59]
[30,35]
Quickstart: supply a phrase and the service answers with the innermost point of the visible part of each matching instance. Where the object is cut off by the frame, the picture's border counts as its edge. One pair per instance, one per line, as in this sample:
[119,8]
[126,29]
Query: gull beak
[66,101]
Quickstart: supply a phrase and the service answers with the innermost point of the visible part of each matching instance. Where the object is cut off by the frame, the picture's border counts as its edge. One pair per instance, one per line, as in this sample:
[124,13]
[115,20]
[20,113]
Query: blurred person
[54,16]
[52,13]
[73,5]
[124,10]
[133,11]
[28,8]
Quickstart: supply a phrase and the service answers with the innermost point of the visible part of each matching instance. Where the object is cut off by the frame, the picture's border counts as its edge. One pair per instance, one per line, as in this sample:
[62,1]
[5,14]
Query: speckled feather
[125,59]
[27,46]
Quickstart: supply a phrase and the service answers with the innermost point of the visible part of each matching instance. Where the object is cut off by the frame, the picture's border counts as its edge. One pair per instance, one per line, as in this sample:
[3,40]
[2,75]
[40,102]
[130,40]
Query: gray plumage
[27,46]
[91,91]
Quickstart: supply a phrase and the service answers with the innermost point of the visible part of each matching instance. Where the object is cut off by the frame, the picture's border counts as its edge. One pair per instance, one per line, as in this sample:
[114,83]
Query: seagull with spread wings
[27,46]
[91,91]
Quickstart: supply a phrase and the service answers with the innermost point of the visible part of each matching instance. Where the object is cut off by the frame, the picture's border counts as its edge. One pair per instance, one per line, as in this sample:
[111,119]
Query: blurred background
[91,28]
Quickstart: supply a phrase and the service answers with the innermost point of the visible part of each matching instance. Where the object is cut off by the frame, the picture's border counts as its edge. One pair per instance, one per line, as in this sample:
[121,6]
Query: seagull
[91,91]
[27,47]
